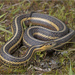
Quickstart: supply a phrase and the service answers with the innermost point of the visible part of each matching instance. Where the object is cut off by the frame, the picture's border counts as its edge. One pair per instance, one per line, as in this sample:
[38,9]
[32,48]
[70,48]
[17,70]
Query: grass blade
[70,71]
[4,30]
[3,15]
[1,5]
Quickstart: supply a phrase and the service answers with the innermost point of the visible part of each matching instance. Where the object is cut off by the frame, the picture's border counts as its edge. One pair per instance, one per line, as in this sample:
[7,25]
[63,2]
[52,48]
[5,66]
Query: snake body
[49,32]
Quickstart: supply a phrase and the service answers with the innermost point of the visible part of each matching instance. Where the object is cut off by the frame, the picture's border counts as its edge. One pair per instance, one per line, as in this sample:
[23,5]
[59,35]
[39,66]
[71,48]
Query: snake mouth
[48,45]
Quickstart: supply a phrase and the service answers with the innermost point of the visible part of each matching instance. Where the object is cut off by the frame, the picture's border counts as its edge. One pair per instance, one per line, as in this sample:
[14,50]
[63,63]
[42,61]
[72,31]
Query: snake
[45,33]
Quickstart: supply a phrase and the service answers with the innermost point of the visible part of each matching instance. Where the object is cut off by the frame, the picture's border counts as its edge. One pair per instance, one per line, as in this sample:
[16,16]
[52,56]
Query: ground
[45,63]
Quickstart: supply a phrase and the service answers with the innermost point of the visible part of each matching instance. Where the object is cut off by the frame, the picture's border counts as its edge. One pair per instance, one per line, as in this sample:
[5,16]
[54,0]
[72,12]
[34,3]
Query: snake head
[48,45]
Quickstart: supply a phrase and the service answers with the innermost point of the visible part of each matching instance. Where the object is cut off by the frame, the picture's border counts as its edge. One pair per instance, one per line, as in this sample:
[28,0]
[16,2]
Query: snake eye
[50,43]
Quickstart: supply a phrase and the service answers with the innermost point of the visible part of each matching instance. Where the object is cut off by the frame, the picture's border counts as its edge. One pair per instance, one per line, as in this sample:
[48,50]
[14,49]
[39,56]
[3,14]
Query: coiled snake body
[49,32]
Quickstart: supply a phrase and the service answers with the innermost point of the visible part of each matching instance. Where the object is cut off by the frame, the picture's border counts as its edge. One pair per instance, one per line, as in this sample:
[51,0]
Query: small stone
[45,66]
[53,62]
[49,63]
[64,52]
[41,64]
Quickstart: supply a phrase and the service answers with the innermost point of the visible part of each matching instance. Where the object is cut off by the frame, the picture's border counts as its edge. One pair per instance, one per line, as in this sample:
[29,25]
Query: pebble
[64,52]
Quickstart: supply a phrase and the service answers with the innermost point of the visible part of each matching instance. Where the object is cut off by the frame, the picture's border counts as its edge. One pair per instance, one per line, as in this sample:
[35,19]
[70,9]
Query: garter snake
[48,33]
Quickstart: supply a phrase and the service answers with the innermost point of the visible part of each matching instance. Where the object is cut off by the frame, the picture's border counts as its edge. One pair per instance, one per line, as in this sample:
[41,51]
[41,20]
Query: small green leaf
[41,55]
